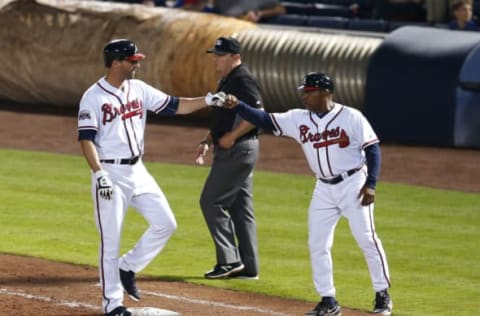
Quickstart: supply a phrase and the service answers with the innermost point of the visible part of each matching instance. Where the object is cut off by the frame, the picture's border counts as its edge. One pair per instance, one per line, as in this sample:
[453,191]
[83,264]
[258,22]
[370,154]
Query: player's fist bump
[217,99]
[231,101]
[104,185]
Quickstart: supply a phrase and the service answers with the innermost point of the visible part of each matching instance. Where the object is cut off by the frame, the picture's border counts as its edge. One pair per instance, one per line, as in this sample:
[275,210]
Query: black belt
[340,177]
[125,161]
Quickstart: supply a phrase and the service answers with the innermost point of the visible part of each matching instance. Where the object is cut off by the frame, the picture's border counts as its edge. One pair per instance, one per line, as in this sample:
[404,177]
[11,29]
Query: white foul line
[217,304]
[71,304]
[74,304]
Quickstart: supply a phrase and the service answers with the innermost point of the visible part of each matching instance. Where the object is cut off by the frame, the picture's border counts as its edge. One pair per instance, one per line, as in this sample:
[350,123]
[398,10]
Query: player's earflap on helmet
[121,49]
[316,81]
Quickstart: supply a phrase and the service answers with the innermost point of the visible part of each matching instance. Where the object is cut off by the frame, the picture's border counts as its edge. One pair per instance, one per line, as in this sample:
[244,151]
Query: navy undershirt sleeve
[87,134]
[374,158]
[255,116]
[171,108]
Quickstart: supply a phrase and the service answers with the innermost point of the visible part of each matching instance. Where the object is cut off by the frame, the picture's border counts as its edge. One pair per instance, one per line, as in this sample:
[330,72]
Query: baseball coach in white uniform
[342,151]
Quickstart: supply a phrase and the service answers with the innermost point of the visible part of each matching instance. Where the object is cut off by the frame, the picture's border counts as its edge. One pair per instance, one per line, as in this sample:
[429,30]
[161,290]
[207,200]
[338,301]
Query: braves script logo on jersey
[325,138]
[125,111]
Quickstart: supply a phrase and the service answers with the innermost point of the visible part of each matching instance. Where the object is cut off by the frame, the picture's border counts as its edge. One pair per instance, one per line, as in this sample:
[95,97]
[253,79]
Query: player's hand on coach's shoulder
[104,185]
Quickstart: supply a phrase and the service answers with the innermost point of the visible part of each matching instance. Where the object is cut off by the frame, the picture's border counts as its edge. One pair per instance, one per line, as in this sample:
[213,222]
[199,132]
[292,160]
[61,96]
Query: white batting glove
[104,185]
[217,99]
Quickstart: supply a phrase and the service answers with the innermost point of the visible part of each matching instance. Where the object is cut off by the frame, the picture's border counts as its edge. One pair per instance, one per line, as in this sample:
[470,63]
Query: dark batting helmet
[121,49]
[316,81]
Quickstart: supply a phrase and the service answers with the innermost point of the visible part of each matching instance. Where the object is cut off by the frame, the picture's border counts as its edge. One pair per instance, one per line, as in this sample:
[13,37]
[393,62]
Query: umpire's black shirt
[240,83]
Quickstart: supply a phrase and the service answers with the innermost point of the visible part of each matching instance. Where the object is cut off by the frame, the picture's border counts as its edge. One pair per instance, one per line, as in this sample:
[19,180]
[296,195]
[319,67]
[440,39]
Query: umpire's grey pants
[227,204]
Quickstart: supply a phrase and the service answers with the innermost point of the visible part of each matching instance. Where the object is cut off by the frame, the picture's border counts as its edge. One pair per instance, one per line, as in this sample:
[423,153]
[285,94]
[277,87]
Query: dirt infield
[30,286]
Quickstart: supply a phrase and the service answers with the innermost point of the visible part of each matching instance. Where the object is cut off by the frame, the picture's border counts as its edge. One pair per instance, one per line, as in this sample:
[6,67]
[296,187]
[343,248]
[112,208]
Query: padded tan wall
[51,50]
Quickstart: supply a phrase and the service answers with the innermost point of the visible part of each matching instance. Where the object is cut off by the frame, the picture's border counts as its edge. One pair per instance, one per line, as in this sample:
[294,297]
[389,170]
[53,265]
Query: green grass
[431,237]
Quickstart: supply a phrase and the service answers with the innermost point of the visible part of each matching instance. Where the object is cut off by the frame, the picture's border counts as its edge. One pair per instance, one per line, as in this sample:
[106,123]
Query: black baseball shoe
[119,311]
[224,270]
[244,275]
[383,303]
[129,284]
[328,306]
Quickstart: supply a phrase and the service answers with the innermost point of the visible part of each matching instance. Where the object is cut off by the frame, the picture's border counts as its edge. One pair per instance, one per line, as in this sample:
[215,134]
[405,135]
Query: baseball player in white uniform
[342,150]
[111,124]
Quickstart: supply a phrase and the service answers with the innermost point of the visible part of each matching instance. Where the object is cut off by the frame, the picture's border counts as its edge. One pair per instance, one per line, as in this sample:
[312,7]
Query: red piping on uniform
[326,149]
[124,124]
[131,122]
[318,150]
[275,123]
[370,143]
[163,105]
[102,274]
[370,212]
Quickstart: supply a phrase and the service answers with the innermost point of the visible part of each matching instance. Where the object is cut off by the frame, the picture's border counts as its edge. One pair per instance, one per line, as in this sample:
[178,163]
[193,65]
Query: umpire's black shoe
[224,270]
[328,306]
[119,311]
[129,284]
[244,275]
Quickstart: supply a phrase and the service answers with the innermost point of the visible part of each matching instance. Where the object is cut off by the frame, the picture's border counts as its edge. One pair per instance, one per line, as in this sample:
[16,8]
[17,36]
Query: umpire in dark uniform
[226,198]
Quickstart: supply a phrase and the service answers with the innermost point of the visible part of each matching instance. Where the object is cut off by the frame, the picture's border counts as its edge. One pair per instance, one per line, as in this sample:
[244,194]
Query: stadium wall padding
[413,93]
[52,49]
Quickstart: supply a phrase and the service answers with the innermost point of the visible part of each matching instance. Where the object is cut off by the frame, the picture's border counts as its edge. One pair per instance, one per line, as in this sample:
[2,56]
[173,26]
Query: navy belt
[340,177]
[126,161]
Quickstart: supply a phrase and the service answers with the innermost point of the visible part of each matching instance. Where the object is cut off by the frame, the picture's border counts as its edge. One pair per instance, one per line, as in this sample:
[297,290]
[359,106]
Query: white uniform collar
[103,82]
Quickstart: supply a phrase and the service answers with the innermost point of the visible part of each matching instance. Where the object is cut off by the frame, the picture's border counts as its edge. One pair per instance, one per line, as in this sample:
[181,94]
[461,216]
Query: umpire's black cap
[316,81]
[226,45]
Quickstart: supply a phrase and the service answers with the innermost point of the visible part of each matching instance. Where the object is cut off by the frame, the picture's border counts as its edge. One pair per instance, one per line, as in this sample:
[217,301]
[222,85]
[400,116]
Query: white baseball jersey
[331,143]
[119,116]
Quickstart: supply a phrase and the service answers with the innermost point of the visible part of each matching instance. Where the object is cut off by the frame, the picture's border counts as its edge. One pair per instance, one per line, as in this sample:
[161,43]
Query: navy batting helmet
[316,81]
[121,49]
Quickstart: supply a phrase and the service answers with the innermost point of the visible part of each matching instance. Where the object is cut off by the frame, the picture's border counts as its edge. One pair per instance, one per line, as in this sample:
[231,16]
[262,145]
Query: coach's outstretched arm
[263,119]
[255,116]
